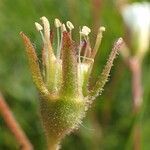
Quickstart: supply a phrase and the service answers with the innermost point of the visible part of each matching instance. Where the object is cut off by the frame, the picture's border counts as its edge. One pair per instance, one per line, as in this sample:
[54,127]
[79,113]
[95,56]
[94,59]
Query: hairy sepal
[69,67]
[62,116]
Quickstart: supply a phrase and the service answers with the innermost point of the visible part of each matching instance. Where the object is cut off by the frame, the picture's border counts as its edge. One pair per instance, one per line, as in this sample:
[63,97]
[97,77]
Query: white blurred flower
[137,18]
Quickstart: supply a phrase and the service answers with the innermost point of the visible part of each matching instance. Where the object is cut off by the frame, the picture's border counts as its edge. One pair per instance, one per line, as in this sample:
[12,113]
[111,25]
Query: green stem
[53,144]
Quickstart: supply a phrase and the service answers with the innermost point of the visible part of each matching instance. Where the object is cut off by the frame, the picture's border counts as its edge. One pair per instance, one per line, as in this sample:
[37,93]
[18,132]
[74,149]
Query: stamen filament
[79,53]
[97,45]
[39,28]
[42,35]
[49,55]
[57,25]
[43,58]
[79,62]
[98,41]
[91,59]
[86,49]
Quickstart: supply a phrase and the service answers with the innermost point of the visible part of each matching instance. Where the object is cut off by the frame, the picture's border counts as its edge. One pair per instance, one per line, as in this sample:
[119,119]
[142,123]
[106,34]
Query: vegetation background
[109,123]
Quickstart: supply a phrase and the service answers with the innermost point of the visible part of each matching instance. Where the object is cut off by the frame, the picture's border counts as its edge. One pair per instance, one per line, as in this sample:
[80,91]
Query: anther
[69,25]
[102,29]
[46,27]
[57,23]
[63,28]
[119,41]
[85,31]
[38,27]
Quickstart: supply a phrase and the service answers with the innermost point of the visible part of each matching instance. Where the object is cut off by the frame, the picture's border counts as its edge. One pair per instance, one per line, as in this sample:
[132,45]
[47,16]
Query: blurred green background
[108,124]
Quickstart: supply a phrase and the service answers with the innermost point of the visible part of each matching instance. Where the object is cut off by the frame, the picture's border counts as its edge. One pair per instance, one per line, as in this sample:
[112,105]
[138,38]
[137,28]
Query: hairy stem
[53,146]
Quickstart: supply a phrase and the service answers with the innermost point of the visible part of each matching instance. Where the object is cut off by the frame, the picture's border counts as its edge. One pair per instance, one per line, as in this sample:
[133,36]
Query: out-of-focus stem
[135,67]
[14,126]
[120,4]
[137,137]
[96,8]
